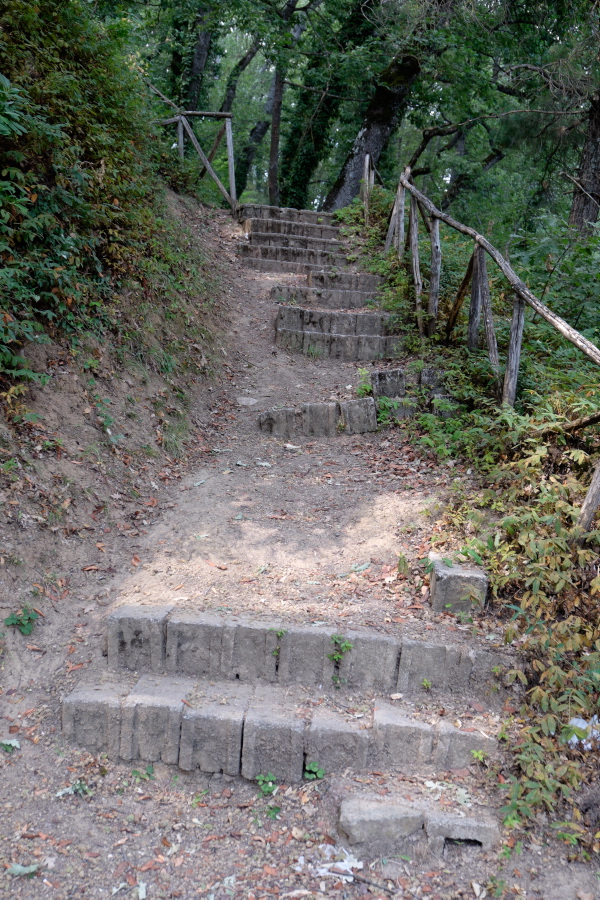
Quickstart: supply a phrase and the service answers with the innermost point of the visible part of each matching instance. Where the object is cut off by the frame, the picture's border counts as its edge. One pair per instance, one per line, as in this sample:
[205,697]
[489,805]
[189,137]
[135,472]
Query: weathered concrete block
[343,346]
[372,324]
[370,822]
[137,637]
[399,742]
[372,664]
[444,667]
[290,317]
[441,827]
[343,323]
[281,423]
[316,344]
[431,379]
[151,719]
[254,655]
[273,740]
[359,416]
[317,320]
[443,406]
[91,718]
[319,419]
[302,657]
[370,346]
[336,744]
[388,383]
[289,340]
[457,588]
[454,747]
[211,735]
[199,645]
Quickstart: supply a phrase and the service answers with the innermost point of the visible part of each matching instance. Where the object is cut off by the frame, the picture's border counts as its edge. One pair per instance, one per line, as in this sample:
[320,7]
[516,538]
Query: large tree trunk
[586,197]
[255,139]
[316,109]
[235,75]
[199,60]
[187,74]
[275,130]
[379,121]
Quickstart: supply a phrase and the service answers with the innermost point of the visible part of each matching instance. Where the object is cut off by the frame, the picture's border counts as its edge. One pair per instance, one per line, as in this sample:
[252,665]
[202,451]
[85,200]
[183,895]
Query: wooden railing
[184,127]
[476,276]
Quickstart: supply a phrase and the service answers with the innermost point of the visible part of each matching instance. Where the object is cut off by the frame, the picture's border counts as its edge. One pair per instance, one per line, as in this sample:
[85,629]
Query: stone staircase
[245,697]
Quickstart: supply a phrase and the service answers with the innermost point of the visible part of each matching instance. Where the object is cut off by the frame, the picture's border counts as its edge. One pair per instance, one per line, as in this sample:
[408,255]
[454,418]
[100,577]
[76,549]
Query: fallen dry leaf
[135,560]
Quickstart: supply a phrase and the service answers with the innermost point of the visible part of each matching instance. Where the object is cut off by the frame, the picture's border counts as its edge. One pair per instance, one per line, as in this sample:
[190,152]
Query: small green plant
[79,788]
[278,634]
[341,646]
[273,812]
[197,799]
[403,567]
[24,619]
[479,755]
[386,407]
[267,784]
[426,684]
[313,770]
[9,745]
[313,352]
[364,388]
[146,775]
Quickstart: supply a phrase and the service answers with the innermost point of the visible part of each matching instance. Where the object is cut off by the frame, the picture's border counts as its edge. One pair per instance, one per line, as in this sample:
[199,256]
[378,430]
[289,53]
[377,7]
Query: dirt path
[310,533]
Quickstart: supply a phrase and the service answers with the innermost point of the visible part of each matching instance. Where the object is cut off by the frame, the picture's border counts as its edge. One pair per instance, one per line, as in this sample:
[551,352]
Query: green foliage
[267,785]
[313,770]
[9,745]
[24,619]
[146,775]
[364,388]
[386,407]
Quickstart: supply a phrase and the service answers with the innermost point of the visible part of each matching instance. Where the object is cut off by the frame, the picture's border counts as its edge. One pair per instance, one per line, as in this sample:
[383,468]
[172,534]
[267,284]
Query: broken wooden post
[230,162]
[488,319]
[460,296]
[180,137]
[416,269]
[513,359]
[396,225]
[590,504]
[365,187]
[436,271]
[475,307]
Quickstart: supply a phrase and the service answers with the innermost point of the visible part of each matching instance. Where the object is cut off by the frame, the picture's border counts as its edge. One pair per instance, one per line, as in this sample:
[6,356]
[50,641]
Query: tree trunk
[235,75]
[255,139]
[586,198]
[199,60]
[275,131]
[380,119]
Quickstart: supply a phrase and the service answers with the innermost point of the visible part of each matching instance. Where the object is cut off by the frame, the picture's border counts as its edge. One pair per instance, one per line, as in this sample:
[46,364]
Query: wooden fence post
[416,268]
[204,159]
[180,137]
[436,270]
[488,319]
[230,162]
[513,360]
[475,307]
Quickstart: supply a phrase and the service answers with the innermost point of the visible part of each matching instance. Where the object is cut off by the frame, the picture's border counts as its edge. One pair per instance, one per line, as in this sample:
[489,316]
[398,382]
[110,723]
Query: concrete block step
[340,280]
[339,346]
[318,321]
[291,255]
[260,211]
[235,728]
[392,826]
[166,640]
[277,266]
[300,242]
[283,226]
[321,419]
[324,298]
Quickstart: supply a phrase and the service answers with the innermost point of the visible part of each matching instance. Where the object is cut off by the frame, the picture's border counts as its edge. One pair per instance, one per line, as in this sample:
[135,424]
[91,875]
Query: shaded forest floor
[239,523]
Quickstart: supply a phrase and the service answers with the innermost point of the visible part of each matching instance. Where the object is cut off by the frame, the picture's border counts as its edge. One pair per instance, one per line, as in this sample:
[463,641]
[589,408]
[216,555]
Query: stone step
[283,226]
[167,640]
[236,728]
[324,298]
[308,216]
[336,335]
[278,267]
[291,255]
[339,346]
[320,419]
[348,281]
[299,242]
[391,827]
